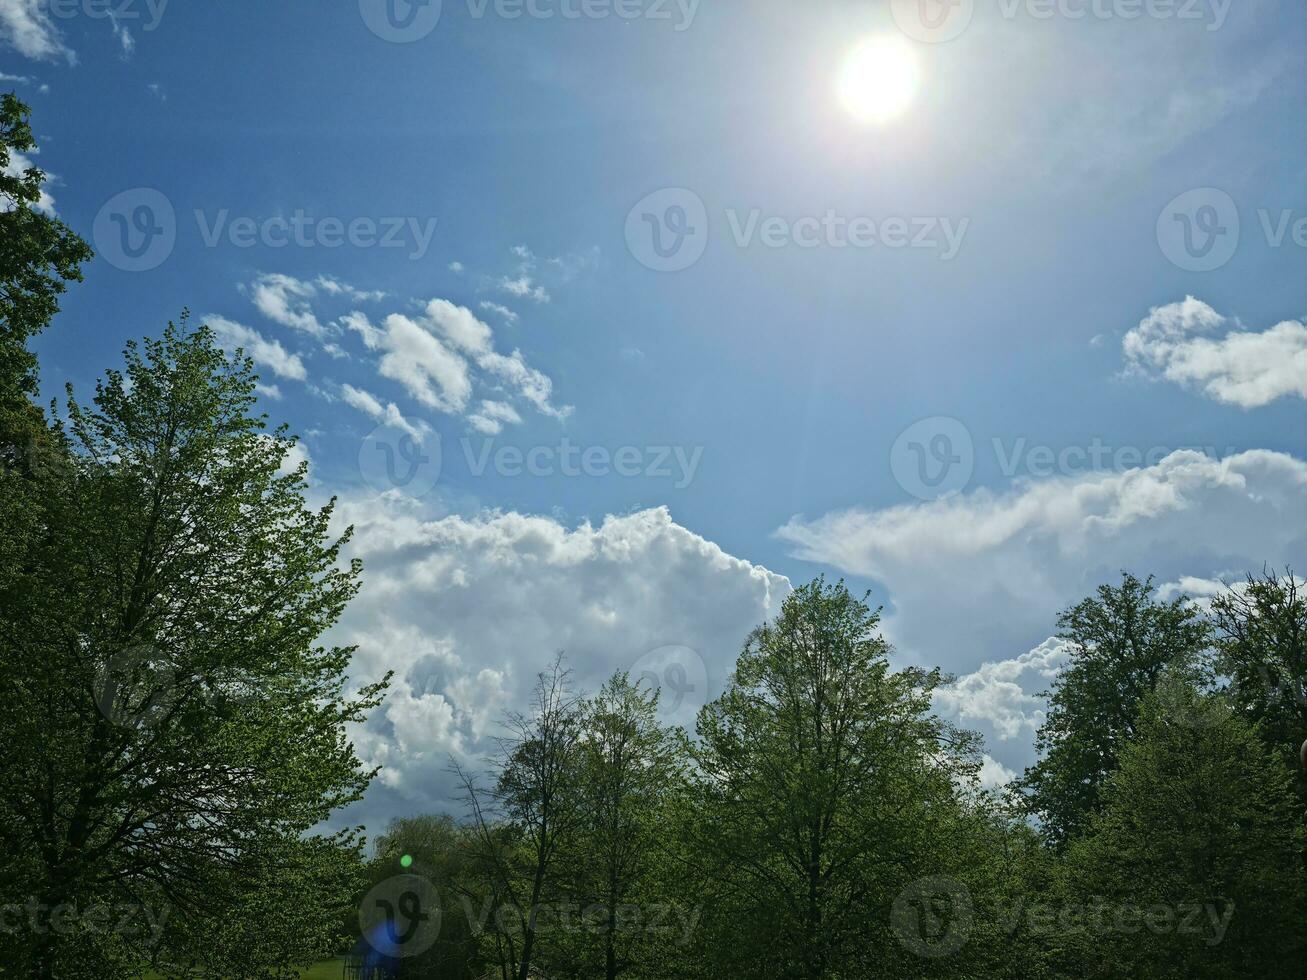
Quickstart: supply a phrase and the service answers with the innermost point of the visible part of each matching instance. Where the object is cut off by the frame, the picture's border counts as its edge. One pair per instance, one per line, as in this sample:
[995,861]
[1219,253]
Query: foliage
[1199,831]
[176,730]
[1120,643]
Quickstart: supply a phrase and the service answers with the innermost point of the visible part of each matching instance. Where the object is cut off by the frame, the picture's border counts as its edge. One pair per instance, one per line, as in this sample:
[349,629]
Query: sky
[610,321]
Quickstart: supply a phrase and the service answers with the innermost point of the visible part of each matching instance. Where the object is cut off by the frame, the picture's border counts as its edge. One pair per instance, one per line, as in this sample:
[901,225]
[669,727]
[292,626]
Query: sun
[878,80]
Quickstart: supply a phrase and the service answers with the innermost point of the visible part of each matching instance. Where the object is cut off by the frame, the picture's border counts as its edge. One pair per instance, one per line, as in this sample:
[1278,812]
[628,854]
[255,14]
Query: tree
[630,765]
[175,727]
[1120,643]
[1262,639]
[1198,840]
[39,255]
[437,848]
[532,813]
[826,786]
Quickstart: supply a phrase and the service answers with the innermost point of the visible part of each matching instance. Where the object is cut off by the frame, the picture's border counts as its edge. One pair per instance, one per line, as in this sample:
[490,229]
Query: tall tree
[1262,638]
[630,765]
[826,786]
[532,813]
[1120,643]
[175,728]
[39,255]
[1194,856]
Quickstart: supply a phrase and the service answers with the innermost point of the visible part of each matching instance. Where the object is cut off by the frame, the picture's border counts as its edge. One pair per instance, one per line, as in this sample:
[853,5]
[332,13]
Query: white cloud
[440,355]
[499,309]
[473,337]
[125,40]
[491,417]
[993,774]
[388,414]
[468,610]
[285,300]
[26,26]
[524,286]
[429,355]
[977,576]
[268,391]
[433,374]
[995,694]
[334,287]
[266,353]
[17,165]
[1237,367]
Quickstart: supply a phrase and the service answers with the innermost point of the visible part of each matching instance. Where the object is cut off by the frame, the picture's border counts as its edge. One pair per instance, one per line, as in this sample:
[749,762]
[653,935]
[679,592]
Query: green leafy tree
[175,729]
[1120,643]
[437,848]
[530,817]
[630,767]
[39,255]
[1193,859]
[1262,639]
[826,786]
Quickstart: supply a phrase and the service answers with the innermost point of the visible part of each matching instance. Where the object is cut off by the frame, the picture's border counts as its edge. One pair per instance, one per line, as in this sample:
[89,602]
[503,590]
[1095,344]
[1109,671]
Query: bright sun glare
[879,79]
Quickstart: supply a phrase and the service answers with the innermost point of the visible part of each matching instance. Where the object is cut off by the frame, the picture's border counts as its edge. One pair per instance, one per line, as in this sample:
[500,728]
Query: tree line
[174,735]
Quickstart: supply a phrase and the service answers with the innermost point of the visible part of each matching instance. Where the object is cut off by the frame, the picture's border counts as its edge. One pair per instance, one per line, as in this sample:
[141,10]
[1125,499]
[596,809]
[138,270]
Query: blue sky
[979,426]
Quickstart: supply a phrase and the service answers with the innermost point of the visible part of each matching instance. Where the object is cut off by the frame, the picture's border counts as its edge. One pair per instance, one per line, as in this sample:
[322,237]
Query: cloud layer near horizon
[466,611]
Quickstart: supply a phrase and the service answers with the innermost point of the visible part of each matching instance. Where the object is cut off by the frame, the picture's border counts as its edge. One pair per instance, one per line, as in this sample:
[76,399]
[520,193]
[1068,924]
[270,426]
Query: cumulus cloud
[1190,344]
[286,300]
[26,26]
[440,354]
[431,372]
[432,354]
[977,576]
[266,353]
[996,693]
[467,610]
[993,774]
[388,414]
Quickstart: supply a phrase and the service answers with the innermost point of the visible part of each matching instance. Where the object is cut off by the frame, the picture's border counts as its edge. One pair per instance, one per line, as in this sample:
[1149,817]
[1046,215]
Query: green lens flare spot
[406,861]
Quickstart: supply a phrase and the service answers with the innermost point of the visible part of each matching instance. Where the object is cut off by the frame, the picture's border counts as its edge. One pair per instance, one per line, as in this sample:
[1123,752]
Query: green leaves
[1121,642]
[181,729]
